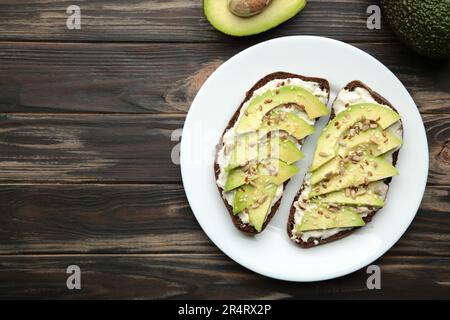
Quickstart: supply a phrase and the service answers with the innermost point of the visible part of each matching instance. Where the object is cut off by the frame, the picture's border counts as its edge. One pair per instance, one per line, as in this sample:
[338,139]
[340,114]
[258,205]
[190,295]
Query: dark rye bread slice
[310,243]
[324,85]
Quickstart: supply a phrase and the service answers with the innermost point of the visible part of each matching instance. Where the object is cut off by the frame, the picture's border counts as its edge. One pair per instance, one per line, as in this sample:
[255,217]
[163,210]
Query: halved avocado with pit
[277,12]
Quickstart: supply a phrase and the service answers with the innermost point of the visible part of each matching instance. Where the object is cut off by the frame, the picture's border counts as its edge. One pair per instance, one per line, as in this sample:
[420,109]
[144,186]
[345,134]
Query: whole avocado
[424,25]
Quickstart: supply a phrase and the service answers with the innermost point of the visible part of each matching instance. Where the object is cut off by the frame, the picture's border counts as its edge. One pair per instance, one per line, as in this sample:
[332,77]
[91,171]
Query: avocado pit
[247,8]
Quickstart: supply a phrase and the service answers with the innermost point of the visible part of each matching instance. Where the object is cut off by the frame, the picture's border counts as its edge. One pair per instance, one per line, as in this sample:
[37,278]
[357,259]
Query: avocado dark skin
[424,25]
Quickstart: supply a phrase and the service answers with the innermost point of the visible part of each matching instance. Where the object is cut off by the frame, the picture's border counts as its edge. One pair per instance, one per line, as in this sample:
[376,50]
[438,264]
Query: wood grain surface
[151,218]
[171,21]
[212,276]
[161,78]
[86,137]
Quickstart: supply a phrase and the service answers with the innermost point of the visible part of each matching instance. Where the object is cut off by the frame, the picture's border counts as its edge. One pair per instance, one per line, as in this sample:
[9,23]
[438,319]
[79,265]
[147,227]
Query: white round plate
[272,253]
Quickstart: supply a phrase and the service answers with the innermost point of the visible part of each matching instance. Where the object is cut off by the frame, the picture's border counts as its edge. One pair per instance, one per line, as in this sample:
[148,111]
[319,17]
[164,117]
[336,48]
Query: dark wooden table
[85,144]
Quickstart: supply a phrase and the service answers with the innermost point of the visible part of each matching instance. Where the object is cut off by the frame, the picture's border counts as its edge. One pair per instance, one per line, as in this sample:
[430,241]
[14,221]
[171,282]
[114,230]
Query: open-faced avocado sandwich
[352,167]
[256,155]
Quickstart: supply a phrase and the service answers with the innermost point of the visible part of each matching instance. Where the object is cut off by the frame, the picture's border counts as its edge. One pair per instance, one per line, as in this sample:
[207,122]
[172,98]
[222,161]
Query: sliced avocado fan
[259,106]
[363,172]
[349,168]
[266,146]
[373,142]
[327,144]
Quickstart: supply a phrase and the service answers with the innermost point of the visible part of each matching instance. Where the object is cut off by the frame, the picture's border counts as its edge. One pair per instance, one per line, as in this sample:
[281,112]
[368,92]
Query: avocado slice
[257,216]
[288,151]
[276,171]
[321,218]
[357,174]
[269,170]
[361,199]
[377,142]
[327,144]
[328,170]
[218,14]
[245,150]
[287,121]
[253,115]
[247,195]
[238,176]
[280,148]
[374,142]
[248,150]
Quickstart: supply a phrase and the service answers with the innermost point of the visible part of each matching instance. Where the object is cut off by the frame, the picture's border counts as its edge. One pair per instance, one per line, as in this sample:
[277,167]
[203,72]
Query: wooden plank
[77,148]
[79,219]
[172,20]
[127,148]
[208,276]
[98,219]
[160,78]
[438,133]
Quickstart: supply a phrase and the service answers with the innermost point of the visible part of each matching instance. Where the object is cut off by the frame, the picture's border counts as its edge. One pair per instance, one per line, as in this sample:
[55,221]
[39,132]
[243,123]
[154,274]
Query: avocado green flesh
[258,166]
[278,11]
[245,149]
[283,149]
[236,178]
[276,148]
[271,170]
[292,124]
[257,216]
[253,115]
[327,144]
[283,171]
[328,170]
[247,195]
[357,174]
[424,25]
[320,218]
[385,141]
[288,152]
[263,189]
[366,199]
[375,141]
